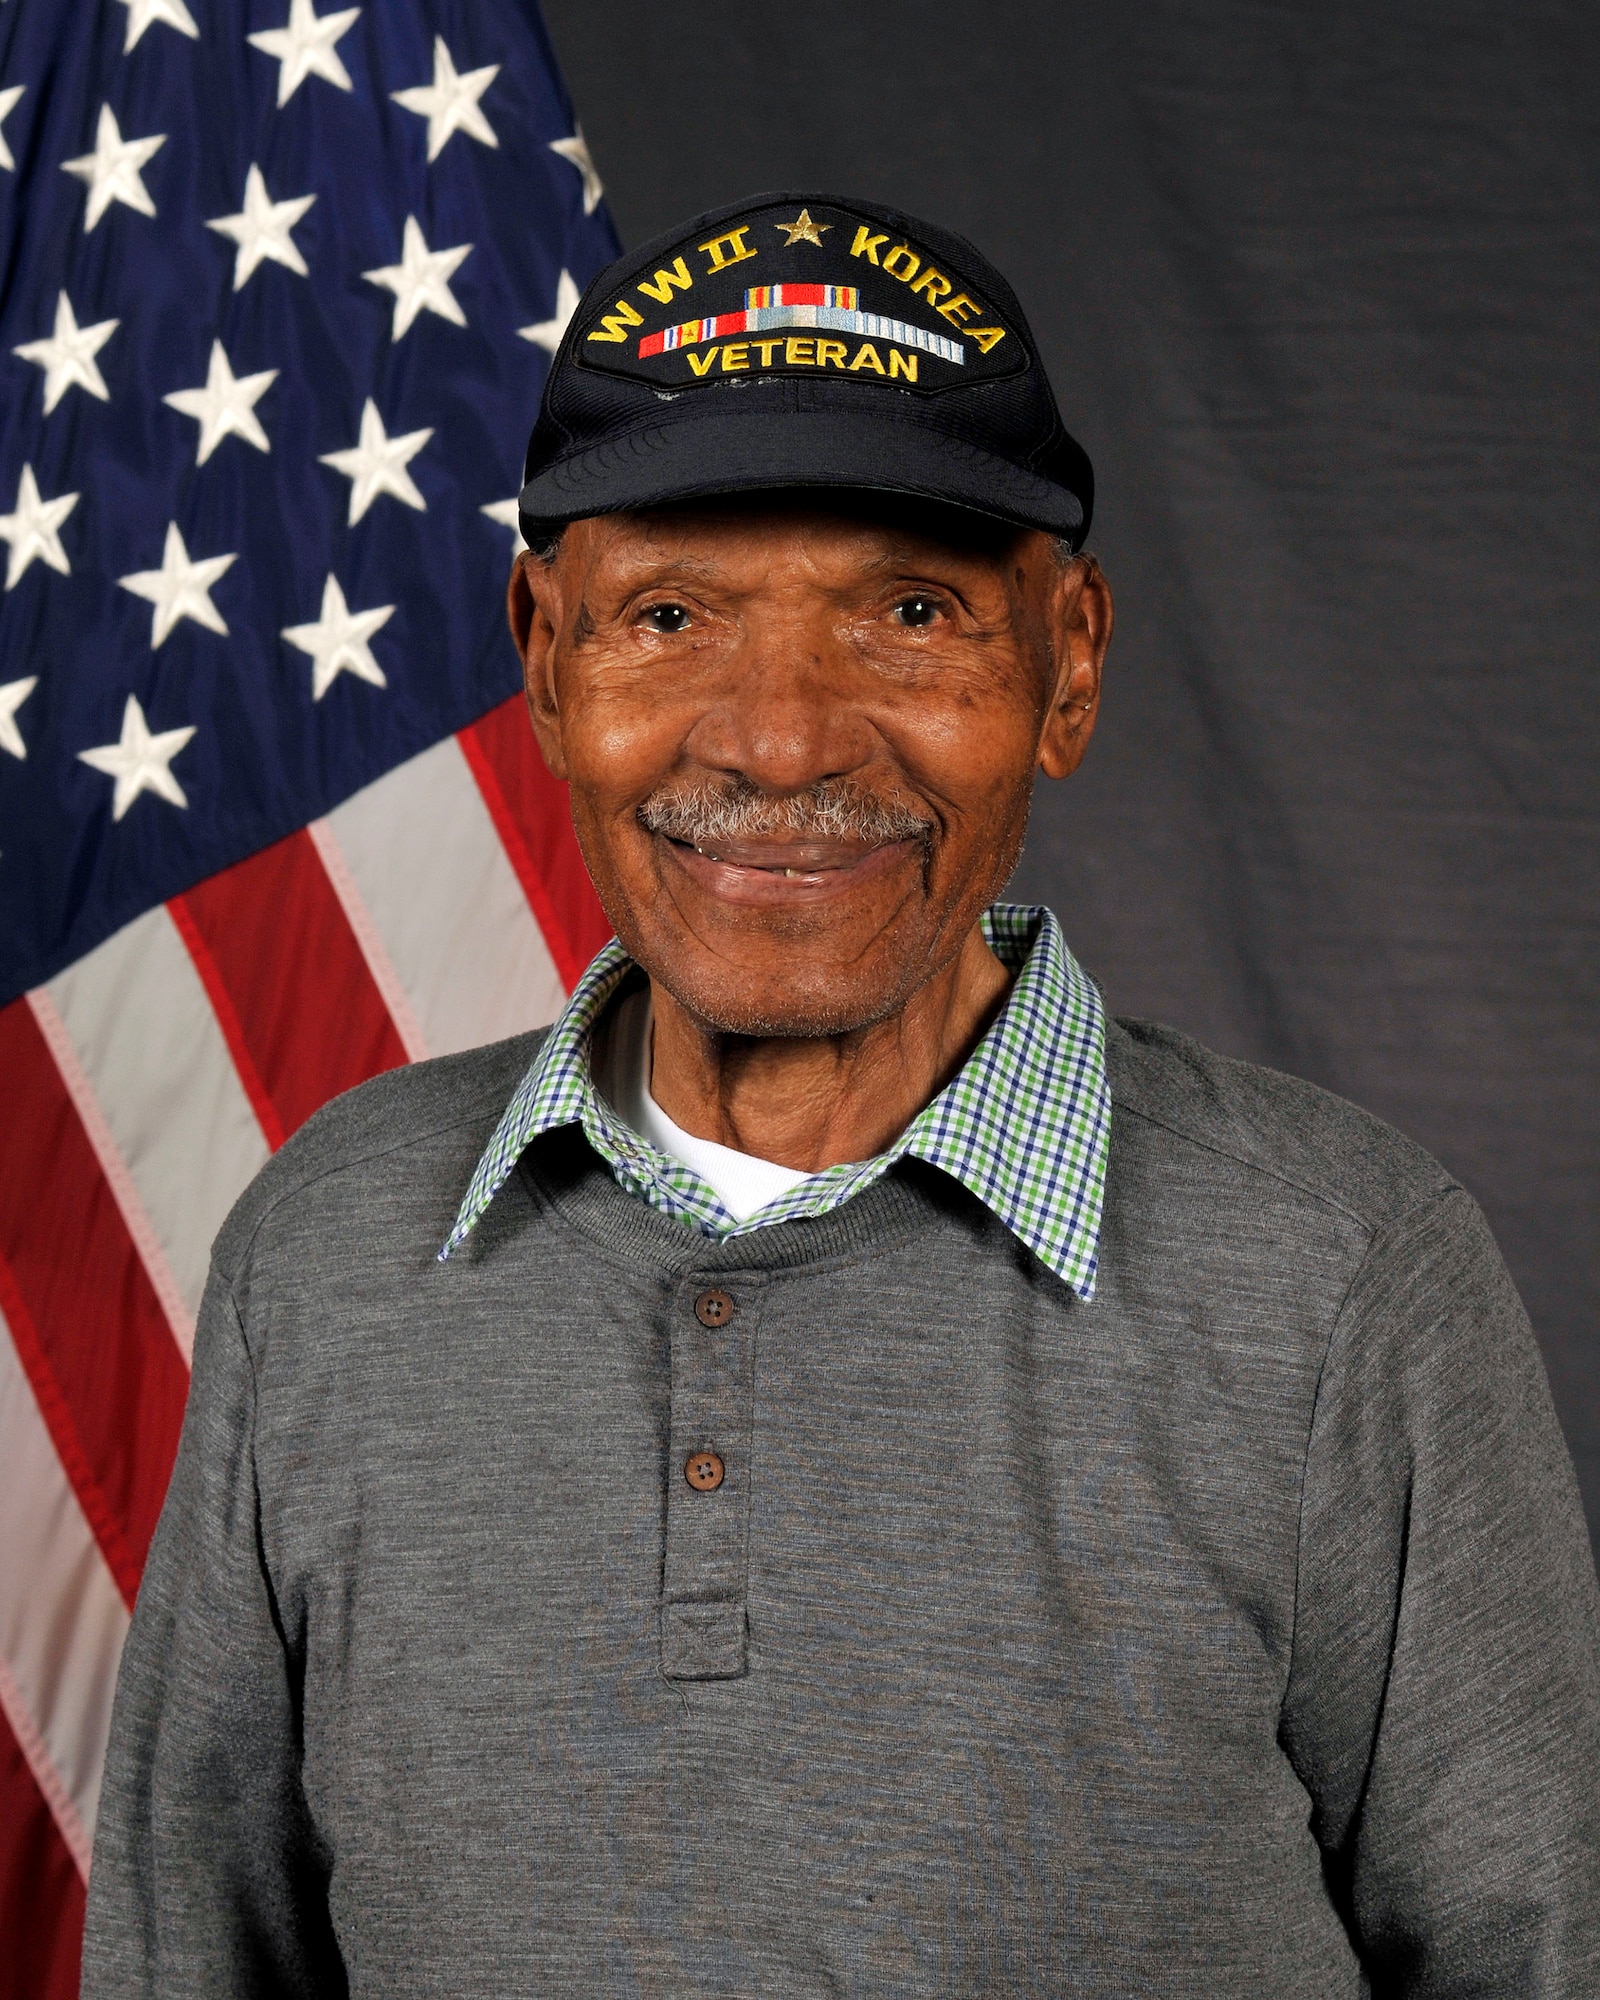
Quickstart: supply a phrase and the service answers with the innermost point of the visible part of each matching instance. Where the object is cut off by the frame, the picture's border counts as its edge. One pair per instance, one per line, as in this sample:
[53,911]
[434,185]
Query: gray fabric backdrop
[1317,288]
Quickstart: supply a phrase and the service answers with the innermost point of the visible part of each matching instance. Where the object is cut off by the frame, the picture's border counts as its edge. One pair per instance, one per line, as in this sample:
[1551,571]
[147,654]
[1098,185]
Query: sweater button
[713,1308]
[704,1471]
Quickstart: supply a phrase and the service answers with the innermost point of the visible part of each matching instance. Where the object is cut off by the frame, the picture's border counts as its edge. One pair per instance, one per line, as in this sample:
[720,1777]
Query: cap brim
[698,456]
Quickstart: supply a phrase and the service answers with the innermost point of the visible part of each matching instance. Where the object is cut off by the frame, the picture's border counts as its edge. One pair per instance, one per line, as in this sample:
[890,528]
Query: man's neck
[821,1101]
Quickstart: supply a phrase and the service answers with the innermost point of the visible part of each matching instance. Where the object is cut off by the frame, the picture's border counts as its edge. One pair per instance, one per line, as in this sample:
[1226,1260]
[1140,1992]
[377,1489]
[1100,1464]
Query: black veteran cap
[798,340]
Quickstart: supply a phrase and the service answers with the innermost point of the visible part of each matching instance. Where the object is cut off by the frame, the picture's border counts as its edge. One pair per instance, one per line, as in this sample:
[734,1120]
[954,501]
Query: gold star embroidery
[803,229]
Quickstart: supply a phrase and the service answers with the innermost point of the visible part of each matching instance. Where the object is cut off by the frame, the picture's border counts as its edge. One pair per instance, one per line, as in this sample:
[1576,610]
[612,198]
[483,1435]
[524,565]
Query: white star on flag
[33,529]
[139,760]
[546,333]
[180,588]
[261,229]
[420,281]
[450,102]
[576,150]
[376,463]
[68,356]
[112,169]
[9,100]
[12,695]
[505,513]
[305,47]
[225,405]
[337,642]
[143,13]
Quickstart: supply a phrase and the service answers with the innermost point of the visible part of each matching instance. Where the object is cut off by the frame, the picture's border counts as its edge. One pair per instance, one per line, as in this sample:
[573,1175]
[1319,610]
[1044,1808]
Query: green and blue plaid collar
[1025,1125]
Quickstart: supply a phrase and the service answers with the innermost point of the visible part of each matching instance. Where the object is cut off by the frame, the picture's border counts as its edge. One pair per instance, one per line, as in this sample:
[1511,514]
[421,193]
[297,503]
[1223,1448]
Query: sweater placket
[705,1576]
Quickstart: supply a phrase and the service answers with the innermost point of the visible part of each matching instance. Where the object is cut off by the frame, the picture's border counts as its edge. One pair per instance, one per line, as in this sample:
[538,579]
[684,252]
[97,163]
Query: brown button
[704,1470]
[713,1309]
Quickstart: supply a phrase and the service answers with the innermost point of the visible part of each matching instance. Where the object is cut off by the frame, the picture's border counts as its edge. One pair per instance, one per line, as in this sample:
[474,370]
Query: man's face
[801,740]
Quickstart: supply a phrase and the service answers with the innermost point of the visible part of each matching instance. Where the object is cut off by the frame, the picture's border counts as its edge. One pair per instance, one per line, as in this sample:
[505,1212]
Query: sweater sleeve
[1443,1704]
[207,1877]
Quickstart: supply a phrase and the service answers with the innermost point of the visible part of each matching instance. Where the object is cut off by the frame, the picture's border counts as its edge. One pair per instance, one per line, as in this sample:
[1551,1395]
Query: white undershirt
[743,1184]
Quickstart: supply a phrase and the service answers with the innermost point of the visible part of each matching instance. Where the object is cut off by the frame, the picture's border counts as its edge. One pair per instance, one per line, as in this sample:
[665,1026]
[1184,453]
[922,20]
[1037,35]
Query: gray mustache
[833,809]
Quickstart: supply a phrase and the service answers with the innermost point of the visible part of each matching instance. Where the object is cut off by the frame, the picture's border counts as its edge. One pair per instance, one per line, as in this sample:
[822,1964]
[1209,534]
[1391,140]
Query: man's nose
[787,716]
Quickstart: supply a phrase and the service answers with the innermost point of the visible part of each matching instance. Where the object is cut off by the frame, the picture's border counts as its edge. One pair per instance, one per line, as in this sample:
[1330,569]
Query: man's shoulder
[1300,1135]
[423,1119]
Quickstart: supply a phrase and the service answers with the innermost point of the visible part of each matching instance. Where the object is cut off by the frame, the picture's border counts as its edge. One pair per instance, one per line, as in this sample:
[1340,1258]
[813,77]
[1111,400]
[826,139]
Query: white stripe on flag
[432,874]
[137,1221]
[373,949]
[141,1025]
[62,1619]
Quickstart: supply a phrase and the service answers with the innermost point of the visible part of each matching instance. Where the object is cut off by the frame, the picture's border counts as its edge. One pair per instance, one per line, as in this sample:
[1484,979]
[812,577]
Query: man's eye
[666,618]
[917,610]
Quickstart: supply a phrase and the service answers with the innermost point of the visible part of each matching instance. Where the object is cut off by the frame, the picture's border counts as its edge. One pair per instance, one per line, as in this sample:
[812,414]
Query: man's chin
[781,1002]
[786,1022]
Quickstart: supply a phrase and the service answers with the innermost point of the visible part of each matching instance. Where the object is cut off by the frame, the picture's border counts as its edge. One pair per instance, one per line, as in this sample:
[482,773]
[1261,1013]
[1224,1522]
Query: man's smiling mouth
[769,867]
[793,860]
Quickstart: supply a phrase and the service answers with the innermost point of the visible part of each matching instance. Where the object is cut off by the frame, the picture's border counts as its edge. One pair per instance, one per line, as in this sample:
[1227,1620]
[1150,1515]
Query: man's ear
[1080,620]
[533,610]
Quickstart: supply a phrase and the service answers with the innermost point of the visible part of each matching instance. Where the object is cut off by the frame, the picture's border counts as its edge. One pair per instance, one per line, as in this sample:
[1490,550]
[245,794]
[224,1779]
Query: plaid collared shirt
[1025,1125]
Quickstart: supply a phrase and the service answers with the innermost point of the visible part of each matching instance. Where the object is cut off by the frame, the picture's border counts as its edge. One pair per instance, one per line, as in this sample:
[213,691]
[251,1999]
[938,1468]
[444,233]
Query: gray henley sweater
[1233,1634]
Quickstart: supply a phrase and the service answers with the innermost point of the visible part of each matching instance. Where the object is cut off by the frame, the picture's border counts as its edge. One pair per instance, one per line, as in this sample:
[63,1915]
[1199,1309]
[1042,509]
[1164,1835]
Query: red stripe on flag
[88,1326]
[534,820]
[41,1894]
[244,1062]
[61,1420]
[288,982]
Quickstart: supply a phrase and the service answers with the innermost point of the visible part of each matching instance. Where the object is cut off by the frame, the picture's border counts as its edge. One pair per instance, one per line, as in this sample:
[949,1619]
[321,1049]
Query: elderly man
[837,1469]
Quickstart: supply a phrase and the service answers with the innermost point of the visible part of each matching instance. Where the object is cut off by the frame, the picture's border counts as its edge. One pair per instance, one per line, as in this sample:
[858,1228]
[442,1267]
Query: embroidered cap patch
[824,291]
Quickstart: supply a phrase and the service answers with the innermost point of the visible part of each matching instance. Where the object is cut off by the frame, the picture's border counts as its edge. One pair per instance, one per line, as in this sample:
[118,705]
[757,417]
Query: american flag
[280,288]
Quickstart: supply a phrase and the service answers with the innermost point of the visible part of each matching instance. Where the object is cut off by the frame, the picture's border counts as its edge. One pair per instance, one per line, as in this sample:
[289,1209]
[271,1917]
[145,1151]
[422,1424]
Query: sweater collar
[1024,1125]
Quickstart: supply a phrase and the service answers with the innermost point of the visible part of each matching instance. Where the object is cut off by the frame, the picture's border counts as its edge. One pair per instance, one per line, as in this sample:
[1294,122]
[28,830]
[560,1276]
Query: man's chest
[765,1605]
